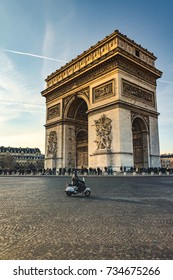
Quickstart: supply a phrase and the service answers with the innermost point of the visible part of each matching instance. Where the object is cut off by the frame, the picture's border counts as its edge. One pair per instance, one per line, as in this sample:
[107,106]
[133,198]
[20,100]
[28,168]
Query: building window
[137,53]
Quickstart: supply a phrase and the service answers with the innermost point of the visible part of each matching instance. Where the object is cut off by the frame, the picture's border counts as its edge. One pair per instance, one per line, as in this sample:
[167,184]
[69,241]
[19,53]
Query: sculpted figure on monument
[103,133]
[52,143]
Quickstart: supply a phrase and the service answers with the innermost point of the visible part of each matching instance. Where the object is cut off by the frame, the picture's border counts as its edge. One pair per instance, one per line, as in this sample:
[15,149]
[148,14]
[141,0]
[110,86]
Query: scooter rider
[77,182]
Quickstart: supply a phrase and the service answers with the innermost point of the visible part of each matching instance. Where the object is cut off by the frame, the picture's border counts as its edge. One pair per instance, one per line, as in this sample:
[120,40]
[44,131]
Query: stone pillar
[154,143]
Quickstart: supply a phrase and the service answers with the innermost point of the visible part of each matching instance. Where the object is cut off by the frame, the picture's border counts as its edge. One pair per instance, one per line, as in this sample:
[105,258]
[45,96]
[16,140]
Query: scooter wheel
[69,193]
[87,193]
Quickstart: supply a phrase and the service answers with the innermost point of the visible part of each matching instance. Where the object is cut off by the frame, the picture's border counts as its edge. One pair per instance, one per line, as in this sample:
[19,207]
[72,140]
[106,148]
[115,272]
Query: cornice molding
[112,45]
[125,105]
[118,62]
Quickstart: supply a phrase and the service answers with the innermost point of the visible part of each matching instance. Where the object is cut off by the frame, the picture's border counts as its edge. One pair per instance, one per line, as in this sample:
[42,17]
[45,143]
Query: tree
[7,162]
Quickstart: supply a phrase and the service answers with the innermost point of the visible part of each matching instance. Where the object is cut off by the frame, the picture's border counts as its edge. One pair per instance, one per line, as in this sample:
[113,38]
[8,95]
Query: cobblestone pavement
[125,218]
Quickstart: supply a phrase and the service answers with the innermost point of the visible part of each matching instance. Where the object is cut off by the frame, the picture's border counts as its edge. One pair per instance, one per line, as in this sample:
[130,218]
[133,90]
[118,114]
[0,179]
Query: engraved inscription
[53,112]
[139,93]
[103,91]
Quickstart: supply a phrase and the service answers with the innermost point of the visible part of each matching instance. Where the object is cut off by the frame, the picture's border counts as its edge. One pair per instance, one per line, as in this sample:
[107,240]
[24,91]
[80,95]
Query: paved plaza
[125,218]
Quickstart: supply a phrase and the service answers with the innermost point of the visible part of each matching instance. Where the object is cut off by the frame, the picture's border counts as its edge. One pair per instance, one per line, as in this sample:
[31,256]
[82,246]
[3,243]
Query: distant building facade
[167,161]
[22,156]
[102,108]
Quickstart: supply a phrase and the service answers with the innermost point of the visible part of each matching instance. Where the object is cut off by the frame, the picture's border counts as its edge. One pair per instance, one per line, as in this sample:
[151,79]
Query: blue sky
[39,36]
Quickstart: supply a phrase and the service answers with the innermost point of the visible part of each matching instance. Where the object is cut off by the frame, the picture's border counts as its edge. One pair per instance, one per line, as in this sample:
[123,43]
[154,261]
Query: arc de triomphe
[102,108]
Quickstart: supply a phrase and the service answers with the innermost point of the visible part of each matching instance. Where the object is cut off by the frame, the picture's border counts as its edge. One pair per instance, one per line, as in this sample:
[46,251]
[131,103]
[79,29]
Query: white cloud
[18,97]
[58,41]
[31,139]
[15,89]
[13,85]
[164,100]
[48,46]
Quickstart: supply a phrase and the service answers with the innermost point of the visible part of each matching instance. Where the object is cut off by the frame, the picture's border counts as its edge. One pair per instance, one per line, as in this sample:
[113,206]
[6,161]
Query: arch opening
[82,149]
[140,143]
[78,110]
[78,118]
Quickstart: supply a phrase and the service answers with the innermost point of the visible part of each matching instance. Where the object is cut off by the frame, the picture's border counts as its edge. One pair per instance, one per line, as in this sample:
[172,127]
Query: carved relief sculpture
[103,133]
[53,112]
[135,92]
[52,143]
[103,91]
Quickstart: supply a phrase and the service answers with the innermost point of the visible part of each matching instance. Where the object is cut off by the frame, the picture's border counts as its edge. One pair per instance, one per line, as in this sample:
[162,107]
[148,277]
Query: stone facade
[102,108]
[167,161]
[22,156]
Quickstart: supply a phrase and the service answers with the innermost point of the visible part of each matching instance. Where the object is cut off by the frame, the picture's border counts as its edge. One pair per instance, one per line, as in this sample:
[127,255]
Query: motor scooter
[77,188]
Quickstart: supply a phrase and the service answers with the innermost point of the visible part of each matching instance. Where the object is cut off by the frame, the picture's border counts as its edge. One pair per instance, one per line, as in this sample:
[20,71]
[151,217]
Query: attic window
[137,53]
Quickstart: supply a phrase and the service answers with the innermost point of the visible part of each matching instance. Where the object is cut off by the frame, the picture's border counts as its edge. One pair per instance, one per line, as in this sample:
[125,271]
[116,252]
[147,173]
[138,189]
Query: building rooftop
[169,155]
[19,149]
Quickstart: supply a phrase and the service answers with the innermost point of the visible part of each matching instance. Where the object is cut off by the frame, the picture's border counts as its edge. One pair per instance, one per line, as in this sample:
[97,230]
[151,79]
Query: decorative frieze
[113,63]
[103,91]
[91,75]
[53,112]
[86,59]
[137,70]
[101,50]
[135,92]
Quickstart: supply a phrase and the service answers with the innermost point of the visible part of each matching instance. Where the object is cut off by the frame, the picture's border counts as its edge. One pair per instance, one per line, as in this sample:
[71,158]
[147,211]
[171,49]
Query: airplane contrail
[55,59]
[34,55]
[167,82]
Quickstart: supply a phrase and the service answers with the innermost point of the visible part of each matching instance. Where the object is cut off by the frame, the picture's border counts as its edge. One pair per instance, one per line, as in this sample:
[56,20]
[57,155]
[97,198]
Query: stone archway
[115,78]
[140,143]
[82,149]
[78,118]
